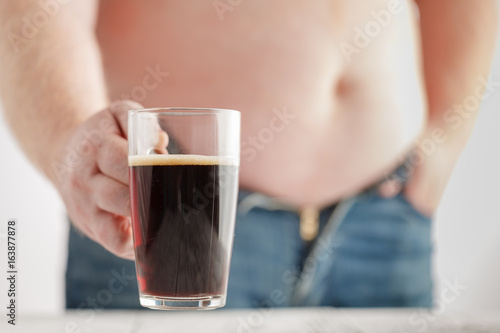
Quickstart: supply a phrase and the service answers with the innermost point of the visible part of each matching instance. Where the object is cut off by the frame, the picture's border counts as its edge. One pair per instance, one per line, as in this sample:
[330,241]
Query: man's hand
[92,177]
[429,172]
[458,40]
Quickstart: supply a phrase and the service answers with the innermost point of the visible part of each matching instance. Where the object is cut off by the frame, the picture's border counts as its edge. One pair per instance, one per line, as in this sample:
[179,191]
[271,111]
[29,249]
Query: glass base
[183,303]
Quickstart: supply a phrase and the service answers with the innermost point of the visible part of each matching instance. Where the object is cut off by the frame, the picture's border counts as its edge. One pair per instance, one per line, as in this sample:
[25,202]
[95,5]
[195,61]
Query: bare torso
[343,123]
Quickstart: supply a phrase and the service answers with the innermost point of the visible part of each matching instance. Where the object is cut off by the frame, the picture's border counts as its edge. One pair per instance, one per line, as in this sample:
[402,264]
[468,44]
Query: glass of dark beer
[183,189]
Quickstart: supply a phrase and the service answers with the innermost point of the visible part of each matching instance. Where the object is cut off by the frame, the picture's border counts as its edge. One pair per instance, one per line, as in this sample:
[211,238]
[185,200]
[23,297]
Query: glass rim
[180,111]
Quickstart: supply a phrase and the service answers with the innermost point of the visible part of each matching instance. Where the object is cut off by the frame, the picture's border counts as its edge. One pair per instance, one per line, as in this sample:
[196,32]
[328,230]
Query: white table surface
[310,320]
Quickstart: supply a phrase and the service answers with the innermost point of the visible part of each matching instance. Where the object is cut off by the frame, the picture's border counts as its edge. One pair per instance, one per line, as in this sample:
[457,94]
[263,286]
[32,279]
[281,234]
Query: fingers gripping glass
[183,188]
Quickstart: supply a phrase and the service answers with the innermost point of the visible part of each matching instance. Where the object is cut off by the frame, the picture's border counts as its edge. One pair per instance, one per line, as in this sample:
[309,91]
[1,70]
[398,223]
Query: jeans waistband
[248,200]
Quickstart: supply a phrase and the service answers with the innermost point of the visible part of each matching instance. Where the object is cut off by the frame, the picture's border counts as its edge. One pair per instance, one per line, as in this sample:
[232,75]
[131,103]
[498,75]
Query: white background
[467,227]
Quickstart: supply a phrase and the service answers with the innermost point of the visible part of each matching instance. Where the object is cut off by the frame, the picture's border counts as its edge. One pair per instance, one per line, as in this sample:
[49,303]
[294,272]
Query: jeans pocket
[384,257]
[404,200]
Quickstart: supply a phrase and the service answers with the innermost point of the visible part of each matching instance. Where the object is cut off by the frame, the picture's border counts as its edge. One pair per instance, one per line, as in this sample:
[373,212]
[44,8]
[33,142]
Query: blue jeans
[377,254]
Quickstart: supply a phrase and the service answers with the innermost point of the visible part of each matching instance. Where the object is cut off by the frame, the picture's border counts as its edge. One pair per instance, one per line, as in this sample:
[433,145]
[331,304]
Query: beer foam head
[151,160]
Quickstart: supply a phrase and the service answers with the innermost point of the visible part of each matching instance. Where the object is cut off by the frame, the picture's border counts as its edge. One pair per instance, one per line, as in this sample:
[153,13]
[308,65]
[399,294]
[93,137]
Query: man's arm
[458,40]
[51,76]
[52,88]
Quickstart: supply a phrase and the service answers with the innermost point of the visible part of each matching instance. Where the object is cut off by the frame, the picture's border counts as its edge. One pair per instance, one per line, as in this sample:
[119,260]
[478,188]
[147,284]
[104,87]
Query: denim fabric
[380,256]
[95,278]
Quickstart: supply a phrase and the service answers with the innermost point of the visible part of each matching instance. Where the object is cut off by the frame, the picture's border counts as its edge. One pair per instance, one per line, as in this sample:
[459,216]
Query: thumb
[119,110]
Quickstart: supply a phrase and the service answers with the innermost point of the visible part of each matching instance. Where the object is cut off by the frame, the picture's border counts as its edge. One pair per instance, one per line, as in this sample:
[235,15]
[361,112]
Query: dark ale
[182,212]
